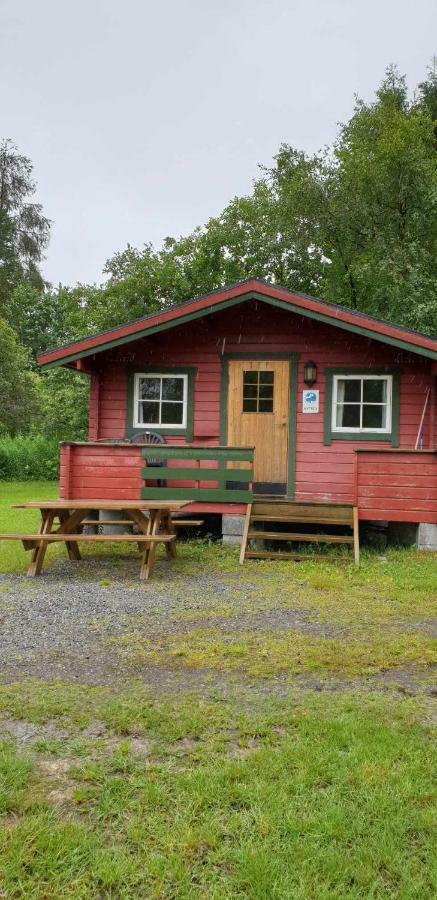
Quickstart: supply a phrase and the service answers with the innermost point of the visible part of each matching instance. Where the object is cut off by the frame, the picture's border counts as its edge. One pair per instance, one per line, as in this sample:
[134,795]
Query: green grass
[231,792]
[12,556]
[316,798]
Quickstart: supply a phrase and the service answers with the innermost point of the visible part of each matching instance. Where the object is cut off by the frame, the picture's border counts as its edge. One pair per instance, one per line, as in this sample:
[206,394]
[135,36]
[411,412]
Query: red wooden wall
[322,472]
[397,485]
[90,471]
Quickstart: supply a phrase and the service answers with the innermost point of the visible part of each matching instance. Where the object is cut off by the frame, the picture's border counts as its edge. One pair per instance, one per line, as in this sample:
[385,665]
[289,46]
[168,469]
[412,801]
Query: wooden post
[245,533]
[65,450]
[422,419]
[356,536]
[39,551]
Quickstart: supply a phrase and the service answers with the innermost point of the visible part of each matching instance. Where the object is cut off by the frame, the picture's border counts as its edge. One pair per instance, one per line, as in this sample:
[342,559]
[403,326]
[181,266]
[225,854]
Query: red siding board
[394,485]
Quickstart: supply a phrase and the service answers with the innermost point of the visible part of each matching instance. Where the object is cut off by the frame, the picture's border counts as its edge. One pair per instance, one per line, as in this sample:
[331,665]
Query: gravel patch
[62,625]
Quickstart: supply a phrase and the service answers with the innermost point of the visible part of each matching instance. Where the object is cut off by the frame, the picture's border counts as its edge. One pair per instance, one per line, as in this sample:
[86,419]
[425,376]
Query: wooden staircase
[265,521]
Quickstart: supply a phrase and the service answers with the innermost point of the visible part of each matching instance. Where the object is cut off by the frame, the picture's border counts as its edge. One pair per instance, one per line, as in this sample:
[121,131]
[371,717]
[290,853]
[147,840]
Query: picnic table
[153,519]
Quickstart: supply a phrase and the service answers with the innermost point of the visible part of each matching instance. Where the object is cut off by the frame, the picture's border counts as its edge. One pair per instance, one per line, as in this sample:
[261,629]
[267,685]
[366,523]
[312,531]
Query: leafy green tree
[428,94]
[42,319]
[20,395]
[367,210]
[64,398]
[24,231]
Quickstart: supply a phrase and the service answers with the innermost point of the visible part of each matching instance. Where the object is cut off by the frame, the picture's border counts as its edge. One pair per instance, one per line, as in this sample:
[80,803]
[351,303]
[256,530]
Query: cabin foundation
[402,534]
[426,536]
[232,529]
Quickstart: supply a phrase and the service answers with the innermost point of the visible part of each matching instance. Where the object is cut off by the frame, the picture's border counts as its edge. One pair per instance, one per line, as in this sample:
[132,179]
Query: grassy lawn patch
[316,798]
[256,783]
[364,652]
[12,556]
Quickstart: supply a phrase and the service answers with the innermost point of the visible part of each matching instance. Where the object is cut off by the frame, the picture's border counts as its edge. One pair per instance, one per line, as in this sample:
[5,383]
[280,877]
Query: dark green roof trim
[327,319]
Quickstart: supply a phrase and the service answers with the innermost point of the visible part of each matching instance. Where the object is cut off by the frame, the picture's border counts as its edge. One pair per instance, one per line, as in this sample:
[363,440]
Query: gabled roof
[253,288]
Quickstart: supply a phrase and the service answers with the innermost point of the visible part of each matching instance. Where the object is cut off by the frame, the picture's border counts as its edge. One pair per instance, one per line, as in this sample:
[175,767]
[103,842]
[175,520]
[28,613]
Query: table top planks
[102,504]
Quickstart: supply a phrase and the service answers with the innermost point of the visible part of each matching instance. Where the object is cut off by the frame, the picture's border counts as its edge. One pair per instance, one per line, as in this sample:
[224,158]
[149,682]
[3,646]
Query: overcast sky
[144,119]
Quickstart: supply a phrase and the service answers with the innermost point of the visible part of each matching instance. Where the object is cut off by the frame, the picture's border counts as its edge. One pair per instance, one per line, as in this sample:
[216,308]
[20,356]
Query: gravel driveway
[65,625]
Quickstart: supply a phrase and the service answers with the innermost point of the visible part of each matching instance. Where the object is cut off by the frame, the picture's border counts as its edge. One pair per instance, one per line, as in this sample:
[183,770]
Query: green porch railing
[229,485]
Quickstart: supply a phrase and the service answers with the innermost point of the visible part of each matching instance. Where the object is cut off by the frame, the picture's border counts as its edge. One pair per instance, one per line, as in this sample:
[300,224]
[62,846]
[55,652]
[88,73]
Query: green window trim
[185,431]
[391,437]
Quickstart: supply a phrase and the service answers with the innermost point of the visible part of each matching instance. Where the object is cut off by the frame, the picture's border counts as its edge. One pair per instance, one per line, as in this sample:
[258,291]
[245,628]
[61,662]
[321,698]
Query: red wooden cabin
[340,407]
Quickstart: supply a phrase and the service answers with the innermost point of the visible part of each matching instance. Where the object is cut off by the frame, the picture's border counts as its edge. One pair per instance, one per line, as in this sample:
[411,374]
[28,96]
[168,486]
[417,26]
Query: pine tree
[24,230]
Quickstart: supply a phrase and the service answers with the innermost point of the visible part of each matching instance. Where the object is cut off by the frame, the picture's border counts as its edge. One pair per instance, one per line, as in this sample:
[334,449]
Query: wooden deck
[388,484]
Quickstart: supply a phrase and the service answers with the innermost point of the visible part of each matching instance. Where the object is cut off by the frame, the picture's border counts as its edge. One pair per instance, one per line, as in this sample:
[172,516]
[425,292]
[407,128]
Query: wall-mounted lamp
[310,373]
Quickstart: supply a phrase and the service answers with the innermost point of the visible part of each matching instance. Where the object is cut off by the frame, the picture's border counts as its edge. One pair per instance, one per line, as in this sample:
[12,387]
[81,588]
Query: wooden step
[266,554]
[318,520]
[284,512]
[314,538]
[302,512]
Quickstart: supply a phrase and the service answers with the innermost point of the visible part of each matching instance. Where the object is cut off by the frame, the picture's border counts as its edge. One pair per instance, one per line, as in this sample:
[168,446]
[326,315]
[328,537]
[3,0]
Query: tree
[42,319]
[24,231]
[428,94]
[19,403]
[367,210]
[64,398]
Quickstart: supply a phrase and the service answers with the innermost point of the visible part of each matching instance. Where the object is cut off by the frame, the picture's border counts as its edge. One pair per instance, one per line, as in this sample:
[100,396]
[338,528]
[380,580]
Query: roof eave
[231,297]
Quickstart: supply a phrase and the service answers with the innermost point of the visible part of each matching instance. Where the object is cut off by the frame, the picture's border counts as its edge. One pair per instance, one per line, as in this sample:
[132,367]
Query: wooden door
[258,415]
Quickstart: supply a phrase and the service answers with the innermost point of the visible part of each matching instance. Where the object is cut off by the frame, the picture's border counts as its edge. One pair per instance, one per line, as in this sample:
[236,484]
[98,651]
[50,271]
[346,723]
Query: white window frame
[158,425]
[338,429]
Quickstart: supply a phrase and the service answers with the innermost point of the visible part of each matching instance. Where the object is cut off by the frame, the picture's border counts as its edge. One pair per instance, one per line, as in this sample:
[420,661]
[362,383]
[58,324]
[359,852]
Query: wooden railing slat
[196,474]
[219,494]
[174,451]
[227,482]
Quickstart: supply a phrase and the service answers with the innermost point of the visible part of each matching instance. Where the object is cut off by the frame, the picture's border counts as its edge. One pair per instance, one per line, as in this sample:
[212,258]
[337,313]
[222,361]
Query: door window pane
[258,387]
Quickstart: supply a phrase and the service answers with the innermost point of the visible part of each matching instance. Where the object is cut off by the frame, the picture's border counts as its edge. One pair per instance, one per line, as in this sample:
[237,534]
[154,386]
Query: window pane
[172,413]
[349,390]
[249,405]
[266,377]
[374,416]
[173,389]
[266,391]
[266,405]
[149,388]
[250,391]
[250,377]
[348,416]
[148,413]
[375,391]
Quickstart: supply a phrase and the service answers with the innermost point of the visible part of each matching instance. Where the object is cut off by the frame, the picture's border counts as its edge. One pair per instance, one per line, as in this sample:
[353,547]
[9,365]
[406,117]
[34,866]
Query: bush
[28,458]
